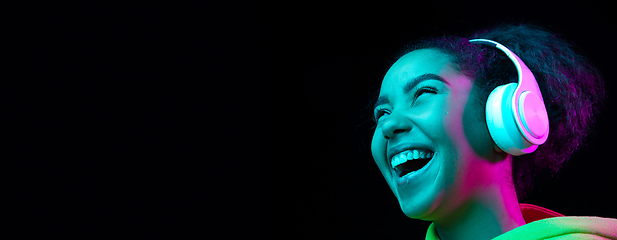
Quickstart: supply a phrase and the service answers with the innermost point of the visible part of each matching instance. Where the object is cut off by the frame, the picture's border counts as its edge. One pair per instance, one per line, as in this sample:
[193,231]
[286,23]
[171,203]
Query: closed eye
[423,90]
[380,112]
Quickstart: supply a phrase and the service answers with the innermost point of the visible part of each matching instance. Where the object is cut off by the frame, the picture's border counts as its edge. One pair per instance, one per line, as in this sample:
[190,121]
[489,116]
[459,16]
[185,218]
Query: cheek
[465,125]
[378,149]
[454,141]
[477,135]
[453,125]
[475,129]
[375,145]
[467,143]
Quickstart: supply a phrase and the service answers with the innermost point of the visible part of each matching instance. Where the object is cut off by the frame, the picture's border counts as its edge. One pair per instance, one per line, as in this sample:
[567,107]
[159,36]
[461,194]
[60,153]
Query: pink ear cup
[515,113]
[533,115]
[502,124]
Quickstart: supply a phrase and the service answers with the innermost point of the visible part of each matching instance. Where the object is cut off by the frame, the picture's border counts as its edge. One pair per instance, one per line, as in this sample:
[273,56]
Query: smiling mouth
[411,160]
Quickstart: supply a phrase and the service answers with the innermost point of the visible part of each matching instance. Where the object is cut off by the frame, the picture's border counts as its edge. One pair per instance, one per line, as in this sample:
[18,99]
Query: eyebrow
[417,80]
[411,85]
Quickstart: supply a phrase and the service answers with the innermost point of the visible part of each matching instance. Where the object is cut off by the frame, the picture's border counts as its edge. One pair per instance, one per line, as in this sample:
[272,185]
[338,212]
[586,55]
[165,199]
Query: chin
[419,207]
[418,200]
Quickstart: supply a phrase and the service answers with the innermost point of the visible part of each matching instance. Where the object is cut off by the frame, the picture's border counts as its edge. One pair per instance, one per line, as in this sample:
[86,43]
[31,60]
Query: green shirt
[543,223]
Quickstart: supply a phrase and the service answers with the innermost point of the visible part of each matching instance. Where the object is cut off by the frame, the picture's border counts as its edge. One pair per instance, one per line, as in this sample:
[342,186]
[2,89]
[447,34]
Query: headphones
[515,112]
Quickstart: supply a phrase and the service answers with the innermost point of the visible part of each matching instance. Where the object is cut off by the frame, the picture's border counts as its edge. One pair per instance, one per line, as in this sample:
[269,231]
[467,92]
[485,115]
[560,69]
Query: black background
[103,108]
[319,62]
[107,132]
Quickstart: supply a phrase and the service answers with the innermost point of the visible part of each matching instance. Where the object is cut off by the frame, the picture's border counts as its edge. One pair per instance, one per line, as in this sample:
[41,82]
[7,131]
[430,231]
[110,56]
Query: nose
[395,125]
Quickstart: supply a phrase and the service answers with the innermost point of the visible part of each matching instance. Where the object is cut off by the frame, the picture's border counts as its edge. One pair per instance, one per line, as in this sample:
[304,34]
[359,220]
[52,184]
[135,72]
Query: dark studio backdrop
[103,117]
[109,135]
[319,62]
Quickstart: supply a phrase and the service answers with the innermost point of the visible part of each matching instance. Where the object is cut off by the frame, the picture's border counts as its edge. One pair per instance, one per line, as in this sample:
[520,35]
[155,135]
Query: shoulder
[565,228]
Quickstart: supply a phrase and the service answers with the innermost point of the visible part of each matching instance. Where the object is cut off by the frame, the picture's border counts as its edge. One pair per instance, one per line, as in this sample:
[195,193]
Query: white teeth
[399,159]
[407,155]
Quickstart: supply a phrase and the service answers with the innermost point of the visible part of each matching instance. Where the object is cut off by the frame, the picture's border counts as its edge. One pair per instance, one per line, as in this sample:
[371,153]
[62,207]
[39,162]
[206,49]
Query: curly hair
[572,88]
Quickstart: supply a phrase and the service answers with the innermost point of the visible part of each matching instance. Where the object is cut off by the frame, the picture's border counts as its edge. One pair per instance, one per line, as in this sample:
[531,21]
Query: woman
[433,146]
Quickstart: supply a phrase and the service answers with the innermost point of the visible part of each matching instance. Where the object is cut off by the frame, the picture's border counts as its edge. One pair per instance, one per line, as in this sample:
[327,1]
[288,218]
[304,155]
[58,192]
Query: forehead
[414,64]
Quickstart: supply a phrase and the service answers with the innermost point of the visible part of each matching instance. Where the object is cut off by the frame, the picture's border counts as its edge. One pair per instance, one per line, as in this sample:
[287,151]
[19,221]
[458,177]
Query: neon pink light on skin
[467,184]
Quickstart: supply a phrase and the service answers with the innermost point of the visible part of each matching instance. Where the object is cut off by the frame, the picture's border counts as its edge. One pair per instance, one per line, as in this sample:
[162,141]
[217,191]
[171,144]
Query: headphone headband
[526,104]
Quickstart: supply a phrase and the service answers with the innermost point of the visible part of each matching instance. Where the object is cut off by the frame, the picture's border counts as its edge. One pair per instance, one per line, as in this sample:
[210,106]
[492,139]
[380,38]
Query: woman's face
[431,142]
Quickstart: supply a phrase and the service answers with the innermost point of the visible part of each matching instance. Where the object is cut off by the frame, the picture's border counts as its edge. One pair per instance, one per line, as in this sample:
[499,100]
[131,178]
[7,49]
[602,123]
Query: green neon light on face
[426,104]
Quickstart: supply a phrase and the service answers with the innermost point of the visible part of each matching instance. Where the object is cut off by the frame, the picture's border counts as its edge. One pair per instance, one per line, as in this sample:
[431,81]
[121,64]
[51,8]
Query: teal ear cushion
[502,124]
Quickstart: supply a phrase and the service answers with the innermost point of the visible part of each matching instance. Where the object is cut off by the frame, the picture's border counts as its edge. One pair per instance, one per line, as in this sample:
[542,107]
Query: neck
[493,210]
